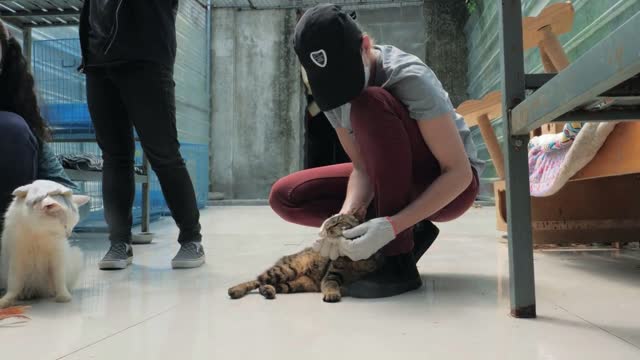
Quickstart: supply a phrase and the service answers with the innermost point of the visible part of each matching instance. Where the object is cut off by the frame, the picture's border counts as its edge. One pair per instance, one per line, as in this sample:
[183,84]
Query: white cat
[36,259]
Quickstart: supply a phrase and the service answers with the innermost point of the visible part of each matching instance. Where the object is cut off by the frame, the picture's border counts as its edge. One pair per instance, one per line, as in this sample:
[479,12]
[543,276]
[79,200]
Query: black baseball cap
[327,41]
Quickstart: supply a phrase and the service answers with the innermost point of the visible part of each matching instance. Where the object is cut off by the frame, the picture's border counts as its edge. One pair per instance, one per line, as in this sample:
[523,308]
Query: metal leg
[145,196]
[144,237]
[521,276]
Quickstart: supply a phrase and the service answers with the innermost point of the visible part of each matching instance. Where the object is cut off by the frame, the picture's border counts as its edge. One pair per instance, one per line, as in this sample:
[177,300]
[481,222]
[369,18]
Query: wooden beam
[558,17]
[490,105]
[490,139]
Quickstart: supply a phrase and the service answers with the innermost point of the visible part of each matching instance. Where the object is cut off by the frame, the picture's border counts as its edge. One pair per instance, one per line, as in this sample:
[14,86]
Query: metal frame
[301,4]
[41,13]
[521,276]
[145,180]
[609,69]
[608,64]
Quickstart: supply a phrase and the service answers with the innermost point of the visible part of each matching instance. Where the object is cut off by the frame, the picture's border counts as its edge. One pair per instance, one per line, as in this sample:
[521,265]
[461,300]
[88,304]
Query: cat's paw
[268,291]
[5,303]
[236,292]
[63,298]
[331,297]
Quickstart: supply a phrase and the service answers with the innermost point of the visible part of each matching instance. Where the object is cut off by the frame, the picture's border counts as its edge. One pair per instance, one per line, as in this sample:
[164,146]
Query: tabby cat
[307,271]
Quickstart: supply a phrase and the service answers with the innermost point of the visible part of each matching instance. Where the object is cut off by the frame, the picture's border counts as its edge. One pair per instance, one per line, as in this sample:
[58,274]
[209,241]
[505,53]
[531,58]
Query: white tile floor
[588,303]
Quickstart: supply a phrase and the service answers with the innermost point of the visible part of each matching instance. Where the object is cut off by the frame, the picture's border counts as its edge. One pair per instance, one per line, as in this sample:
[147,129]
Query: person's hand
[327,246]
[39,190]
[364,240]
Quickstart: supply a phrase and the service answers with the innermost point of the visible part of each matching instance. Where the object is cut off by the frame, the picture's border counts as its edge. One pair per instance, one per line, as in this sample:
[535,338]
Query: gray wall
[258,105]
[257,102]
[446,45]
[402,27]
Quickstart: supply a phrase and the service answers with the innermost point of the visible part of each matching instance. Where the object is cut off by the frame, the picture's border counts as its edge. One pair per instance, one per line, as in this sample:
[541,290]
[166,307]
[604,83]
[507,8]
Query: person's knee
[119,159]
[164,158]
[167,162]
[14,130]
[372,98]
[371,106]
[279,197]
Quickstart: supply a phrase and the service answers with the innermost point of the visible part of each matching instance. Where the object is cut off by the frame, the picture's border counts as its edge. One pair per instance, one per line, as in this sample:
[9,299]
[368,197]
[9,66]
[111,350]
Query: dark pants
[18,157]
[397,160]
[139,95]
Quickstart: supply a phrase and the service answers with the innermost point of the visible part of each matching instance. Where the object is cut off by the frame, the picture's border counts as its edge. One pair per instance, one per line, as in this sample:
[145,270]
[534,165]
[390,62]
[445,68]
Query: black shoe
[397,275]
[119,256]
[424,234]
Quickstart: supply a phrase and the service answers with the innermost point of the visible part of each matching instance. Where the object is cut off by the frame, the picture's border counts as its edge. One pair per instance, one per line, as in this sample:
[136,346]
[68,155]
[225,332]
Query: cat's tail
[243,289]
[73,265]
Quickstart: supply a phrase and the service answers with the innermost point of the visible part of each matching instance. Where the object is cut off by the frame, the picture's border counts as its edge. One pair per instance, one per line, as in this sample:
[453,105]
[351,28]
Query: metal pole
[521,274]
[144,227]
[209,53]
[27,45]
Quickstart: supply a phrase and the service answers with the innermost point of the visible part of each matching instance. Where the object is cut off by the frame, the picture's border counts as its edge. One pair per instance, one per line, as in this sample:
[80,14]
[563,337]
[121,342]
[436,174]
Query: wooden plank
[500,196]
[490,105]
[553,49]
[603,210]
[493,146]
[559,17]
[620,154]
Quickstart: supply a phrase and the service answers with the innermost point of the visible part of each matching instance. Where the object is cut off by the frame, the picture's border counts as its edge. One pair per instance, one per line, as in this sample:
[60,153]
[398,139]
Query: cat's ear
[21,192]
[80,200]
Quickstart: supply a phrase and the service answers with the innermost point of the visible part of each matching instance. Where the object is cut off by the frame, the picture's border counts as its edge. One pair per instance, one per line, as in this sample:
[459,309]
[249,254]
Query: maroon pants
[398,163]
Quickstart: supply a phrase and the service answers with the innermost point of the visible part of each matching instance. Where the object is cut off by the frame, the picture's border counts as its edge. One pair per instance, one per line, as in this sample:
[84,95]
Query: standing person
[413,160]
[129,50]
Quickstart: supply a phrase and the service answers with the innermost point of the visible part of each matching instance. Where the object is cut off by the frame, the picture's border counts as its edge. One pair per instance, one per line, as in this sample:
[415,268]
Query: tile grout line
[117,332]
[598,327]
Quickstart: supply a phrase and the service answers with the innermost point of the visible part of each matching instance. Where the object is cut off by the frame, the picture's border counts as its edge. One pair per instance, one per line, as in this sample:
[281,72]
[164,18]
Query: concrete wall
[402,27]
[446,45]
[257,102]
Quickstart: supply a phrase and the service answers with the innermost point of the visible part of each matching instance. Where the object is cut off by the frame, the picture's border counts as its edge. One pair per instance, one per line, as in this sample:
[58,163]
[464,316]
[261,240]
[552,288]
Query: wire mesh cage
[61,87]
[63,102]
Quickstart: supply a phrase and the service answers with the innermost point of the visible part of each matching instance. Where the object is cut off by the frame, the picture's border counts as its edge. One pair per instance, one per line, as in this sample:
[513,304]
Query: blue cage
[61,89]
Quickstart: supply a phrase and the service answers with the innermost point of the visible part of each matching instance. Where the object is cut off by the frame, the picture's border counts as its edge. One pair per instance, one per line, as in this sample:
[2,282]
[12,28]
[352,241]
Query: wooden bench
[597,205]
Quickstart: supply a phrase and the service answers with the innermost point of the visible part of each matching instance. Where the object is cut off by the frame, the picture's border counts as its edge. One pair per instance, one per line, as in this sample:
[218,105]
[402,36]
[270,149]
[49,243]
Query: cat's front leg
[59,280]
[330,287]
[15,284]
[8,299]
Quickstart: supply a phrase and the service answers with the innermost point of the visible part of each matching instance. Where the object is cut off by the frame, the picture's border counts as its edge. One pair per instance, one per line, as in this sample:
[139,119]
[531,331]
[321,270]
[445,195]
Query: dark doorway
[322,146]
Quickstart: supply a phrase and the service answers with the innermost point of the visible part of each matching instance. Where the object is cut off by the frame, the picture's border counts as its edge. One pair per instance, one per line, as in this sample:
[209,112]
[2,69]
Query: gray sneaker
[190,255]
[119,256]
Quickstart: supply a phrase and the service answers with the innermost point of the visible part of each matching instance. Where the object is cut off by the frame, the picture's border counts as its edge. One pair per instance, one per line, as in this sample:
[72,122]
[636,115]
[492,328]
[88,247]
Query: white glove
[366,238]
[327,247]
[39,190]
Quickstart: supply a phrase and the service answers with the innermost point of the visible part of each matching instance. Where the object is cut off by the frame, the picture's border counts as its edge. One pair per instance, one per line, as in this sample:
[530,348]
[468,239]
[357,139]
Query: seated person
[25,154]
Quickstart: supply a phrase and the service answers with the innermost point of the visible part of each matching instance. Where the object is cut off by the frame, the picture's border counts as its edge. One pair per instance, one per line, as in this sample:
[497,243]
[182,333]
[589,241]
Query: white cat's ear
[21,192]
[80,200]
